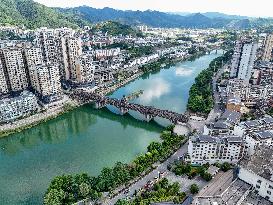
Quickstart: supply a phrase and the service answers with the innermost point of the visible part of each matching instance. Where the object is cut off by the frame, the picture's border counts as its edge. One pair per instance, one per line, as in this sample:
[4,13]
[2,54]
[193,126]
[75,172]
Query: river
[86,140]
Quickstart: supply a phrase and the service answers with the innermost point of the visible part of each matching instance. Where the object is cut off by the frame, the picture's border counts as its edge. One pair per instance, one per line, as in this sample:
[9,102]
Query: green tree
[154,146]
[194,189]
[84,190]
[122,202]
[55,197]
[206,176]
[225,166]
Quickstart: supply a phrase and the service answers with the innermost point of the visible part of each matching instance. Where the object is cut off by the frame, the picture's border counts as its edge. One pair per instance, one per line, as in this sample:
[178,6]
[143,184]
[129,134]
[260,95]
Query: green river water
[86,140]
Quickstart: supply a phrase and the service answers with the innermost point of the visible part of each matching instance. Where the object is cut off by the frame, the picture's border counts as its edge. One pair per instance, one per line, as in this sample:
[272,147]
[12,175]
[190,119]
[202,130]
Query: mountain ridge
[167,19]
[33,15]
[148,17]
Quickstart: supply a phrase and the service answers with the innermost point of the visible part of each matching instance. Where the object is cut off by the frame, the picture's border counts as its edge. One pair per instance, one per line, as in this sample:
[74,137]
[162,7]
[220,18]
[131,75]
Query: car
[161,174]
[150,182]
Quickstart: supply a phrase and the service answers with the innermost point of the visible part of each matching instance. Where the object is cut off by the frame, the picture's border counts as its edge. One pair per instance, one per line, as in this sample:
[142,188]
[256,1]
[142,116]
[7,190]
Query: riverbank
[115,180]
[165,62]
[201,92]
[36,119]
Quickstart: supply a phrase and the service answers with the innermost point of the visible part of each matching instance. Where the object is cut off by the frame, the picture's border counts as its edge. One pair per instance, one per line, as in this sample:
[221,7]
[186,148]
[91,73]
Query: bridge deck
[125,106]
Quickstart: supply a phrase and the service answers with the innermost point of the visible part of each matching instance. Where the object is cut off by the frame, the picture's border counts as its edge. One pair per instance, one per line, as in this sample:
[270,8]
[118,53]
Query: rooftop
[261,163]
[255,199]
[268,120]
[234,138]
[231,116]
[218,139]
[220,125]
[251,123]
[229,196]
[265,134]
[206,138]
[234,98]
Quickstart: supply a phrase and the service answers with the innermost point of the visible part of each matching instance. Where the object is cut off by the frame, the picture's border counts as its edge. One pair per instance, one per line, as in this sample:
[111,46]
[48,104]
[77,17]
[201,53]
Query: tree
[225,167]
[55,197]
[194,189]
[154,146]
[170,127]
[206,176]
[64,182]
[84,190]
[164,183]
[122,202]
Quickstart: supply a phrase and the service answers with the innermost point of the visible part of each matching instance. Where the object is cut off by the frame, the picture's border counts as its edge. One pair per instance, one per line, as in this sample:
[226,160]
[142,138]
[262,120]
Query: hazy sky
[240,7]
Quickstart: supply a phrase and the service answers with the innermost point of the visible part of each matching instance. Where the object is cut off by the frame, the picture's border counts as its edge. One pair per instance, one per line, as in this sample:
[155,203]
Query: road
[216,111]
[150,177]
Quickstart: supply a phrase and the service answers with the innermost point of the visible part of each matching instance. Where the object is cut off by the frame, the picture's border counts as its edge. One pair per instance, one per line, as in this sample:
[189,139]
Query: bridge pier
[148,112]
[148,117]
[99,105]
[123,110]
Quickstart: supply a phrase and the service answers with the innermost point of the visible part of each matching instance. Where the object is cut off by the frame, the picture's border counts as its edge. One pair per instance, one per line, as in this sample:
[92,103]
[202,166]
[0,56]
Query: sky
[256,8]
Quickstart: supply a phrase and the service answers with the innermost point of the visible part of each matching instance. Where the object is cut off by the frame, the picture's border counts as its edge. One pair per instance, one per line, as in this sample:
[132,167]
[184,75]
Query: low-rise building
[234,103]
[258,171]
[224,125]
[251,126]
[255,139]
[17,107]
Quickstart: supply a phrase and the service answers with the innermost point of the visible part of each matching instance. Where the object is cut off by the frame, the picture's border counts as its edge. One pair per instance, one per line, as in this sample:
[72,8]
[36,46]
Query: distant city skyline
[253,8]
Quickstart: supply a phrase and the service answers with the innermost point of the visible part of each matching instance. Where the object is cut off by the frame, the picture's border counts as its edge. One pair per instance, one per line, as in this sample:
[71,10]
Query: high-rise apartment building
[45,80]
[268,50]
[235,62]
[47,41]
[14,67]
[74,51]
[33,56]
[60,48]
[247,61]
[85,70]
[3,81]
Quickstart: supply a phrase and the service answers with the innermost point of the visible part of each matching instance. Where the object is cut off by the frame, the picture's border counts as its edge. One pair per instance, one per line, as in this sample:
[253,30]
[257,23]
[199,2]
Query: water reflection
[154,90]
[69,125]
[180,71]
